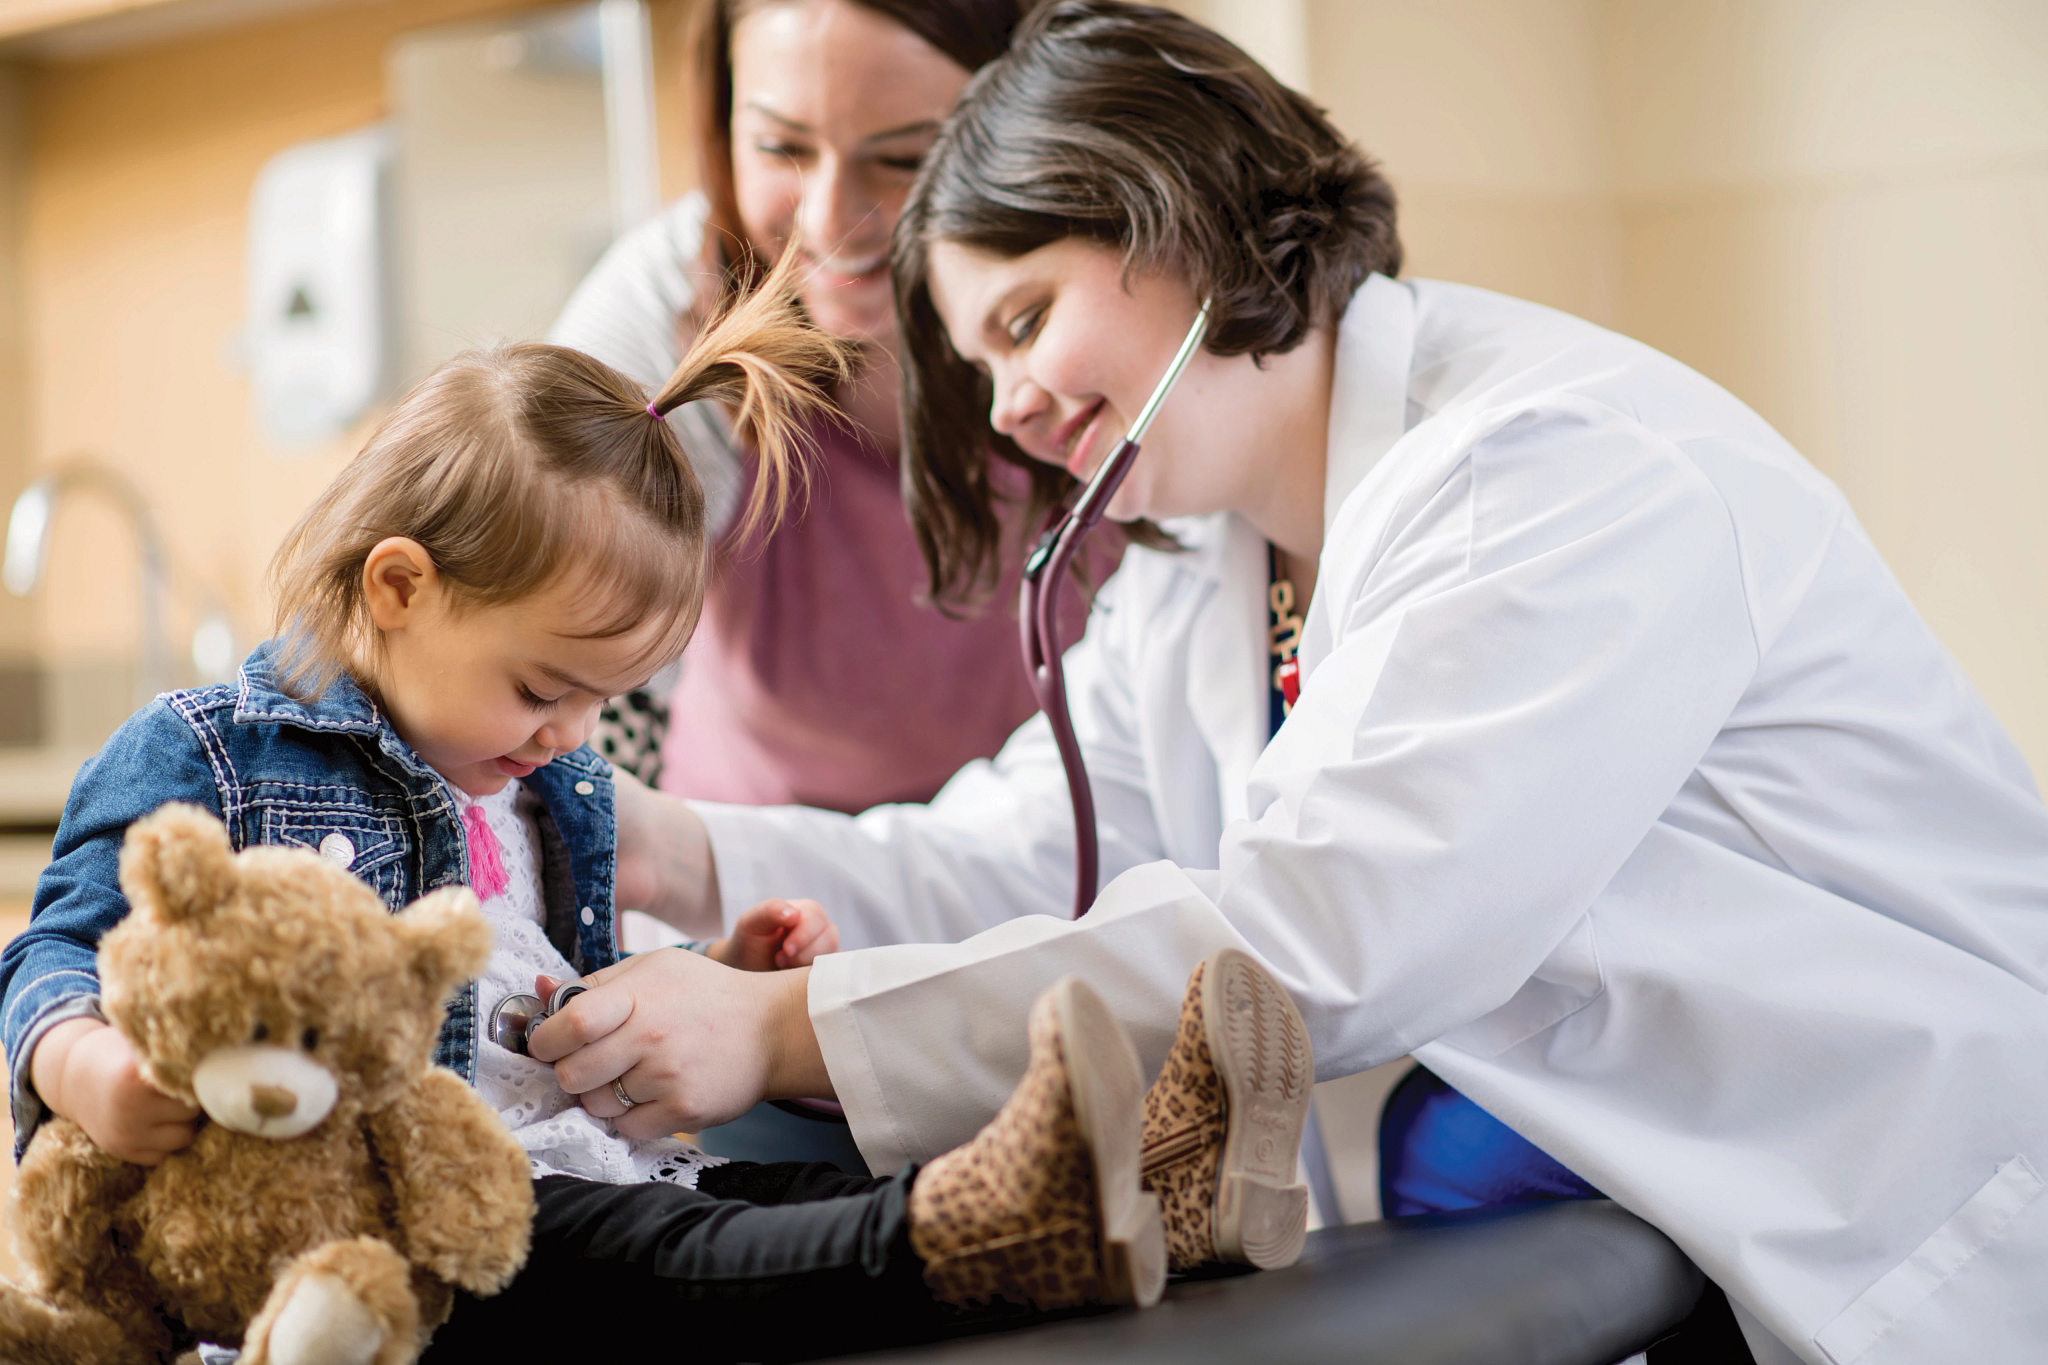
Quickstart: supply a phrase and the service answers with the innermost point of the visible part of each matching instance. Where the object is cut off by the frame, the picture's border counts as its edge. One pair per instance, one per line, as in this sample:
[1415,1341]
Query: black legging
[782,1261]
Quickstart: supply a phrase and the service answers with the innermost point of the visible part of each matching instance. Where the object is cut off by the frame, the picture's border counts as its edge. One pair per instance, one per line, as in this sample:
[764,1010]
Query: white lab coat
[1626,790]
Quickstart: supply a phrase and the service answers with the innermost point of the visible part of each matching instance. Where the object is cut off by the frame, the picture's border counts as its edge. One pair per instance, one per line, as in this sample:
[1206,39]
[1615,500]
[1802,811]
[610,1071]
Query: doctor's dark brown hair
[516,466]
[1142,130]
[969,33]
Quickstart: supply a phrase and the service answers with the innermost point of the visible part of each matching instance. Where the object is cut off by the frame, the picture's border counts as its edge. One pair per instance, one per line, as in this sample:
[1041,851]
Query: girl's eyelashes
[1024,325]
[533,702]
[770,147]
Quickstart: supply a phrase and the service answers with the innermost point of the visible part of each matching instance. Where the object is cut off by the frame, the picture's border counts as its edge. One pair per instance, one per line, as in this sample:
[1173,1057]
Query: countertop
[34,784]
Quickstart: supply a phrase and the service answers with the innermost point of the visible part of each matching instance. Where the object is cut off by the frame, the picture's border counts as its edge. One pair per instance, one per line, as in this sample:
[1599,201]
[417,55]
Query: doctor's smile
[1007,643]
[1077,440]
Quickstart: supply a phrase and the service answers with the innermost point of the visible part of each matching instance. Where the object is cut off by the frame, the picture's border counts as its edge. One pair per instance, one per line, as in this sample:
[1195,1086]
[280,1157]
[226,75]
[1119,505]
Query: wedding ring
[619,1089]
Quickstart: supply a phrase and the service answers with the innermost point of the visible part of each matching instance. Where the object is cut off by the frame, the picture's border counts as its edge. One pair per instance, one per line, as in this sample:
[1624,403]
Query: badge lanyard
[1283,639]
[1283,643]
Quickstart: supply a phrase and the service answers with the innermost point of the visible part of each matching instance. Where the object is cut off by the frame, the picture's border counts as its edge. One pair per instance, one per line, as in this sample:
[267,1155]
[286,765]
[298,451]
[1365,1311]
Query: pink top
[817,678]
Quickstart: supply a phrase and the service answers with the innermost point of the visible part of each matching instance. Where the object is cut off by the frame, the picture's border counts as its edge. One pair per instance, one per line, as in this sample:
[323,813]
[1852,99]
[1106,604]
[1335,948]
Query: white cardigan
[1626,790]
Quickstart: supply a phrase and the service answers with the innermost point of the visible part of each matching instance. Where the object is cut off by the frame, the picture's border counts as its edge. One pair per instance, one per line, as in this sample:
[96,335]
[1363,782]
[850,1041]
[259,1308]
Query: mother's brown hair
[1145,131]
[970,33]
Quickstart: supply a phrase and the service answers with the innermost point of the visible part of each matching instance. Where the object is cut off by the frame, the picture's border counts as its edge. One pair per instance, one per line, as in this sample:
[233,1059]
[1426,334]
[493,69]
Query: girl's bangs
[631,573]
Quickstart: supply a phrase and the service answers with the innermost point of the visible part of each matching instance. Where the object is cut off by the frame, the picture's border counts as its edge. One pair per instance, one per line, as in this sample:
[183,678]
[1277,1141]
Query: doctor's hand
[692,1042]
[777,934]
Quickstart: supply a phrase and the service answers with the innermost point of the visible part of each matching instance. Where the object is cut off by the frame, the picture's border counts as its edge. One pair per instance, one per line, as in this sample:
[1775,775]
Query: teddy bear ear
[177,863]
[449,941]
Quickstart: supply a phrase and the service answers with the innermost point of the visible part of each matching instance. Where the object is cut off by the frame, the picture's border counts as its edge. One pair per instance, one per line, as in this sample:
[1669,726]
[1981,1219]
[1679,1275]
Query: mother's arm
[665,862]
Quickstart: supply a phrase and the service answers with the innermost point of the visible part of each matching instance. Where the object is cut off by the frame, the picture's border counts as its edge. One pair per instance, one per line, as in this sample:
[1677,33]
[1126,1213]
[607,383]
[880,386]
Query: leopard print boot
[1043,1206]
[1223,1121]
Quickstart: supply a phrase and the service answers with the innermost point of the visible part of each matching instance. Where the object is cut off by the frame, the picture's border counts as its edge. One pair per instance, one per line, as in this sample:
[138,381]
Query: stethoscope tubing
[1038,613]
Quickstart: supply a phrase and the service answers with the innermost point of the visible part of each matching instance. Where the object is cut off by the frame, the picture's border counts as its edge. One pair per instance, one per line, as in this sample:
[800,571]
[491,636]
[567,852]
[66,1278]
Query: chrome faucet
[28,554]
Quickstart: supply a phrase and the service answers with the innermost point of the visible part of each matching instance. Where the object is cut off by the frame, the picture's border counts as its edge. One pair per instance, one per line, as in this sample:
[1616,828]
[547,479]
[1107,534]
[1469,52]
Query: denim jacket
[332,776]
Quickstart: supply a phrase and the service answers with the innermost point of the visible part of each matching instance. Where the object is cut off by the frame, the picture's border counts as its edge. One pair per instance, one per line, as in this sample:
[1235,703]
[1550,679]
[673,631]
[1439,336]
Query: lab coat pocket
[1903,1291]
[1566,982]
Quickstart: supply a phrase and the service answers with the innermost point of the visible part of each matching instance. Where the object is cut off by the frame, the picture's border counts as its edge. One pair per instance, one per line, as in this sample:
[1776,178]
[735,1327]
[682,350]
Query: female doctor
[1625,789]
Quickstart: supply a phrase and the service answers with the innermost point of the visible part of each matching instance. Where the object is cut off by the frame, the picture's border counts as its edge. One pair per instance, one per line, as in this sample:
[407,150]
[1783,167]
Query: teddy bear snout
[264,1090]
[272,1101]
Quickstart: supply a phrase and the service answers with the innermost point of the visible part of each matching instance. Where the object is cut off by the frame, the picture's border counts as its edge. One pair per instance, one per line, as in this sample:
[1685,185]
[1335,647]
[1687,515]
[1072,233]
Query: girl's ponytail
[775,369]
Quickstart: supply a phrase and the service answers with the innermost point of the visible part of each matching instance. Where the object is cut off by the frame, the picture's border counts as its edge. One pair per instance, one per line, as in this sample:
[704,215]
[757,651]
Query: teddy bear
[340,1185]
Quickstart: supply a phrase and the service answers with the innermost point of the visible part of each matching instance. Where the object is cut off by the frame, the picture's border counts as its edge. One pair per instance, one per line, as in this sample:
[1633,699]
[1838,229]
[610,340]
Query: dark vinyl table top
[1568,1283]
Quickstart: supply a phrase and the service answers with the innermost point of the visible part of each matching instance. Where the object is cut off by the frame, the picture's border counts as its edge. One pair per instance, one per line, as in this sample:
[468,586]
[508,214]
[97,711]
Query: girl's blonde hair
[513,465]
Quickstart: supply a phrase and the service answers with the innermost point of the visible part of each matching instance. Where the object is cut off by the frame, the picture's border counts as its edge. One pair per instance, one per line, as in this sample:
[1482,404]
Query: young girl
[521,539]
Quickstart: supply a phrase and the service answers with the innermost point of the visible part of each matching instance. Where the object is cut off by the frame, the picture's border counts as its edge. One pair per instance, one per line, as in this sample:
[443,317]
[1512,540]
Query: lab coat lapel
[1227,662]
[1368,415]
[1369,395]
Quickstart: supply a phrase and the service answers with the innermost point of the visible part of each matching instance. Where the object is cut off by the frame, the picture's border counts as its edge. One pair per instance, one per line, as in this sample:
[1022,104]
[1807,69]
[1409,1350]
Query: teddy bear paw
[324,1323]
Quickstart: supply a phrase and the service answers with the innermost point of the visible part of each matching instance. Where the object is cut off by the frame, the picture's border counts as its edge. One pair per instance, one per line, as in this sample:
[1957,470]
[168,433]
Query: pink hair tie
[654,412]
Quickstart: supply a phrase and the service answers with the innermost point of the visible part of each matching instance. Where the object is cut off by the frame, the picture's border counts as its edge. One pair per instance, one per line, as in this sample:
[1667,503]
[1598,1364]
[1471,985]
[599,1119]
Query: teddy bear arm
[464,1196]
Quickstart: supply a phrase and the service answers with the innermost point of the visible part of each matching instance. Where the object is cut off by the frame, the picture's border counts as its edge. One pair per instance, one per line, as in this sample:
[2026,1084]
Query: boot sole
[1261,1050]
[1108,1090]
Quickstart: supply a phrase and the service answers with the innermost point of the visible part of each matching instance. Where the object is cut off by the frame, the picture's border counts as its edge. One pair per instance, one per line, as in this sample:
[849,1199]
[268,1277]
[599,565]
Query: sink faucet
[28,554]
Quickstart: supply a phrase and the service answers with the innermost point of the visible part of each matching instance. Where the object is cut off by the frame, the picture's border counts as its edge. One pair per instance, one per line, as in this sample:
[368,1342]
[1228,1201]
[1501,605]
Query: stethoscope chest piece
[516,1015]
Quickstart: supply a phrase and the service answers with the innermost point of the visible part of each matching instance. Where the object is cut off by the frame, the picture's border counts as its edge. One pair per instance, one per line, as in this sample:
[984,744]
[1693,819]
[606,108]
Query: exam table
[1581,1282]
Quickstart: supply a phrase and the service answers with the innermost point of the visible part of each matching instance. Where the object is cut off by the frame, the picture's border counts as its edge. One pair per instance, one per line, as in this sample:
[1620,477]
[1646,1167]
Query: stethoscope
[1038,612]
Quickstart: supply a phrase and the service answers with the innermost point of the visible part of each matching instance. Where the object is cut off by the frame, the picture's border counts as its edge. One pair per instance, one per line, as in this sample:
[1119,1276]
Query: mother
[813,117]
[1625,788]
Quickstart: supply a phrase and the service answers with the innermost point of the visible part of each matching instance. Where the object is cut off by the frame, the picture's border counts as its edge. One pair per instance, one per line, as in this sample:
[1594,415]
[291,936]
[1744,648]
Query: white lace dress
[560,1136]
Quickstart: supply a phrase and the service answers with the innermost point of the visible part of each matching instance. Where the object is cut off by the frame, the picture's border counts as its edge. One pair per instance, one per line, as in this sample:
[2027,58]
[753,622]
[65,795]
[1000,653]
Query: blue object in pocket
[1439,1151]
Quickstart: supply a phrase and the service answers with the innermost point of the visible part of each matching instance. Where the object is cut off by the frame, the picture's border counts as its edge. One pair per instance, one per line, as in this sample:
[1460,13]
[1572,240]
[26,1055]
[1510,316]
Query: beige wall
[16,623]
[1837,208]
[1490,119]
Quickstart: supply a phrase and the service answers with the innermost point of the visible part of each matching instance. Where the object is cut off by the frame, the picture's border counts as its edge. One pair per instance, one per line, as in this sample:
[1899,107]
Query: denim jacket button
[584,788]
[337,849]
[589,915]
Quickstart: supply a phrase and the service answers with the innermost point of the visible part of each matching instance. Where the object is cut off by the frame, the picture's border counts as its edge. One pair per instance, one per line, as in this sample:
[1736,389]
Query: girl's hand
[87,1072]
[692,1042]
[777,934]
